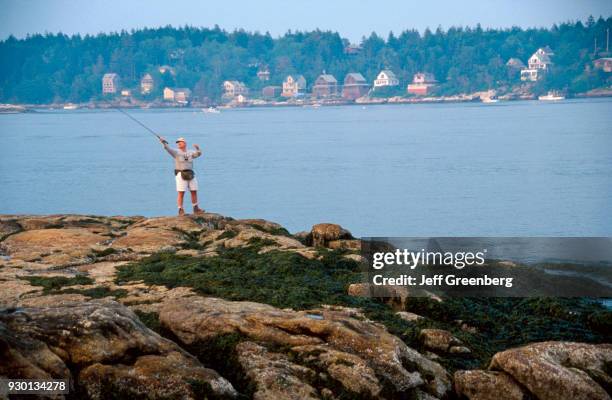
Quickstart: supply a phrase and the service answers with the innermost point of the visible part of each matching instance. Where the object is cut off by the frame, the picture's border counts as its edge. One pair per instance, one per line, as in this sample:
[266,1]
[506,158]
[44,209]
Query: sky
[352,18]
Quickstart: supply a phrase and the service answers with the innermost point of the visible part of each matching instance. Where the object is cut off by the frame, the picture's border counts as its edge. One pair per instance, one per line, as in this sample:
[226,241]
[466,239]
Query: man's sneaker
[197,210]
[181,211]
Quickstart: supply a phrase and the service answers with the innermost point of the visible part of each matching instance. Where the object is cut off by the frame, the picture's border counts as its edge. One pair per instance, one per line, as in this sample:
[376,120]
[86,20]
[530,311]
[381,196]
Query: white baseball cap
[181,139]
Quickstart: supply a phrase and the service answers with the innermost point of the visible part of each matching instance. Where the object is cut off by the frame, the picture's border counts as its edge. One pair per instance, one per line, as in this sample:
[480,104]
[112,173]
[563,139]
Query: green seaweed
[219,353]
[151,320]
[103,253]
[282,279]
[55,283]
[192,240]
[287,279]
[274,231]
[97,292]
[228,234]
[201,389]
[260,242]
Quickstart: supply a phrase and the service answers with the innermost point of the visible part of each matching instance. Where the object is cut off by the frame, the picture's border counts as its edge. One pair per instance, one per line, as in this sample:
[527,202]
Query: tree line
[45,68]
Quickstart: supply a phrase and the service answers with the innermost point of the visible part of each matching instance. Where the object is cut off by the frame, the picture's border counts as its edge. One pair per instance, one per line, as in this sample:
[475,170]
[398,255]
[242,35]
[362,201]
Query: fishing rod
[137,121]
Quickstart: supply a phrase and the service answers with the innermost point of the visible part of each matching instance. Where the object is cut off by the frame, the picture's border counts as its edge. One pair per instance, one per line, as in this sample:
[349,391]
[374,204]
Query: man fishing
[183,171]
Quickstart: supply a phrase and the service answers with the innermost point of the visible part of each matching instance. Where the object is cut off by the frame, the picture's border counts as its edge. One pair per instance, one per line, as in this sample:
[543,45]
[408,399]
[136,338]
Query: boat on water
[551,96]
[211,110]
[70,106]
[490,100]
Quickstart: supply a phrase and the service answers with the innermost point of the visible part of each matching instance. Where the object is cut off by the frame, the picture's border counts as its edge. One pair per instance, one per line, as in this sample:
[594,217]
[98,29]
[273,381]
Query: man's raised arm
[198,152]
[170,150]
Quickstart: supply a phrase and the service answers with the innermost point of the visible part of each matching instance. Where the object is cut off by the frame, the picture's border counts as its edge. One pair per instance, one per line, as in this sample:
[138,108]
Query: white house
[530,75]
[538,63]
[539,60]
[177,95]
[386,77]
[234,88]
[168,94]
[182,95]
[146,84]
[110,83]
[293,86]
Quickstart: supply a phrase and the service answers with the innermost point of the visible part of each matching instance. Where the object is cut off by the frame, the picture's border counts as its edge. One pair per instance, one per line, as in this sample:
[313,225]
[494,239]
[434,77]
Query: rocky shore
[213,307]
[519,95]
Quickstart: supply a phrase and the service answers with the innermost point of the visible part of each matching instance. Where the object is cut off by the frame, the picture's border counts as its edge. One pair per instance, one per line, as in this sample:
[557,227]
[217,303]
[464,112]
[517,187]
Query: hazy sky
[352,18]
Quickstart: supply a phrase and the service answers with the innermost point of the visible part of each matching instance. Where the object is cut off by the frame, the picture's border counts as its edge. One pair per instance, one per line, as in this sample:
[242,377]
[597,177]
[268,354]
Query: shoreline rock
[96,345]
[64,312]
[545,371]
[201,319]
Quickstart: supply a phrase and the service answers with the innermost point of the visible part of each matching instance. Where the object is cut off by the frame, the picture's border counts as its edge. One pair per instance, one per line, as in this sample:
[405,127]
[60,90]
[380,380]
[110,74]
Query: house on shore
[385,78]
[146,84]
[177,95]
[538,64]
[354,86]
[168,94]
[271,91]
[234,88]
[182,95]
[421,85]
[294,86]
[530,75]
[325,85]
[541,59]
[110,83]
[605,64]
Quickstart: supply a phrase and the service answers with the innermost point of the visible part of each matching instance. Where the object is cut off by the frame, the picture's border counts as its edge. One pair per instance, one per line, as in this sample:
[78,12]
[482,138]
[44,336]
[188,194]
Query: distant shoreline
[307,103]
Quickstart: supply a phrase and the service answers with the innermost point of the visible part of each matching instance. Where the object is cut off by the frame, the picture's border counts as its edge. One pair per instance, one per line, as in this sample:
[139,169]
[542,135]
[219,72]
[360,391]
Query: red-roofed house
[422,83]
[325,86]
[354,86]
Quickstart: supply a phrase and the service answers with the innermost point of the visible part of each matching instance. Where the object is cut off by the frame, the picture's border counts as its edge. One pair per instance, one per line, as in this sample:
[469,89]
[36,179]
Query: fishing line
[137,121]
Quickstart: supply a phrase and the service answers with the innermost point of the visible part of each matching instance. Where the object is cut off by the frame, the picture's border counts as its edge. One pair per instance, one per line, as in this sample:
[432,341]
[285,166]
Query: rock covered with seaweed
[209,306]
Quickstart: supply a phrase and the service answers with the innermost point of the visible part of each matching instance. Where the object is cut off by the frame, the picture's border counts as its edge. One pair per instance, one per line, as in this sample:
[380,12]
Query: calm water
[505,169]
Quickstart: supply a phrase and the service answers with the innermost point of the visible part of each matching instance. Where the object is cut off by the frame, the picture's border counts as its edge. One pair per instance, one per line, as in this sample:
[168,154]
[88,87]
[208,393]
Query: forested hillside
[57,67]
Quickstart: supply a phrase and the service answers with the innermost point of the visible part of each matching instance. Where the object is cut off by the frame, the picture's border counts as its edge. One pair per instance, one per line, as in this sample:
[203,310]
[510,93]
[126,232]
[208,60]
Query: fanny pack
[186,174]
